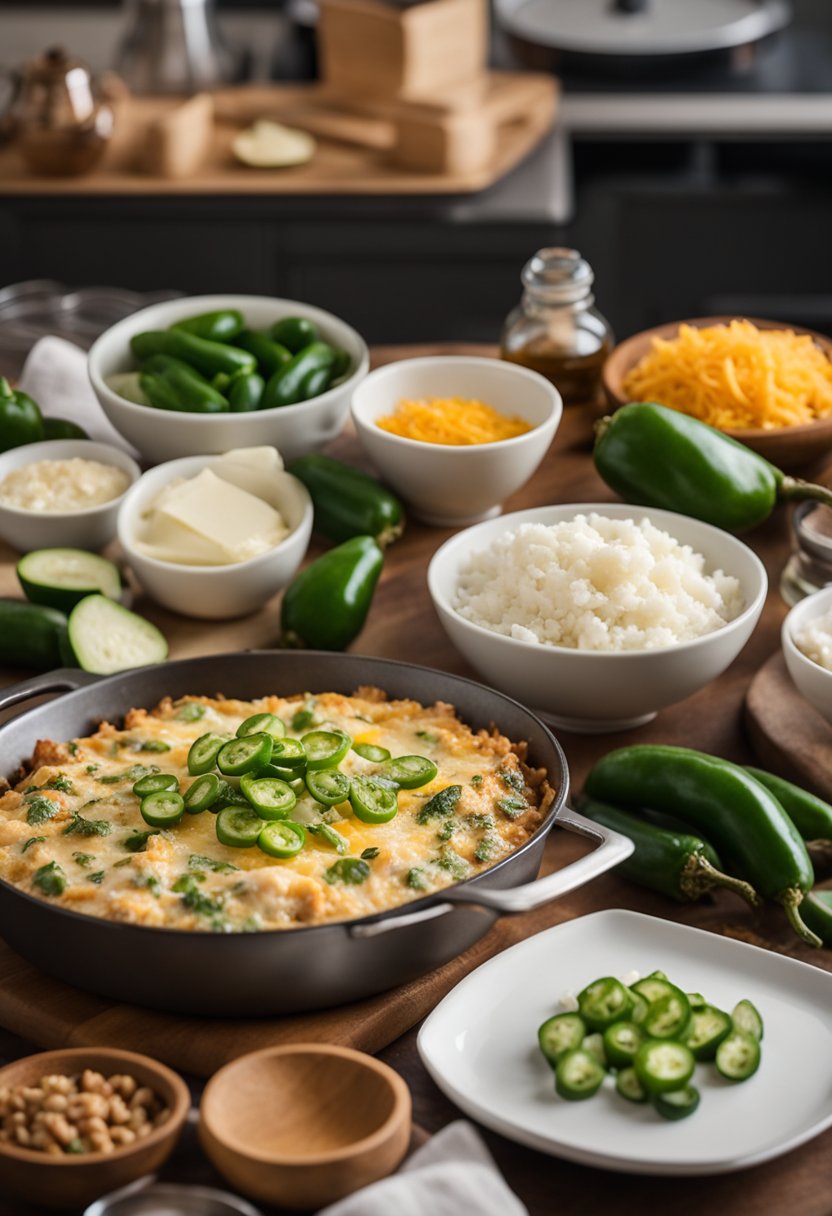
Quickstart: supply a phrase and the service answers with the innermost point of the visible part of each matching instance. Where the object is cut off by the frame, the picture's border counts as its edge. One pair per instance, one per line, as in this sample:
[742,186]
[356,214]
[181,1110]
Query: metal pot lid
[642,27]
[149,1198]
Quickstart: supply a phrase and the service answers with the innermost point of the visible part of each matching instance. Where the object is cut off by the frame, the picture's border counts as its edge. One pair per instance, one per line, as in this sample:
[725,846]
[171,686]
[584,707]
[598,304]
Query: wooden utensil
[76,1179]
[305,1125]
[788,447]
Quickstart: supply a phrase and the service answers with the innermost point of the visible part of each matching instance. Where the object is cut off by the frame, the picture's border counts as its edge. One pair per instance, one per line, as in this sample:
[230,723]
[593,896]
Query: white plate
[480,1046]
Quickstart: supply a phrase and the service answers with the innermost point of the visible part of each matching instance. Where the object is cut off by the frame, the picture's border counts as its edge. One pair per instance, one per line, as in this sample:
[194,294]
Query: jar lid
[558,275]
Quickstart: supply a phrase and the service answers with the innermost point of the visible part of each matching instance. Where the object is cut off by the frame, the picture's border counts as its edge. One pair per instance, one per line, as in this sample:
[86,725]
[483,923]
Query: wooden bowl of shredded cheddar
[764,383]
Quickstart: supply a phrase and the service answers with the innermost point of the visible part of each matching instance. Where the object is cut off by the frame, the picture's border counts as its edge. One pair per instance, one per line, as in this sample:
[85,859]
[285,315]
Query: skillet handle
[65,679]
[613,849]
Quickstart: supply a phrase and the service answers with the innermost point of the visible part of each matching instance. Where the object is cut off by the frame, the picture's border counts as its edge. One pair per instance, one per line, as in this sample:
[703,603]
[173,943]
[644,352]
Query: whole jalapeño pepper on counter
[348,502]
[658,457]
[817,912]
[743,820]
[810,815]
[20,418]
[207,357]
[326,605]
[678,864]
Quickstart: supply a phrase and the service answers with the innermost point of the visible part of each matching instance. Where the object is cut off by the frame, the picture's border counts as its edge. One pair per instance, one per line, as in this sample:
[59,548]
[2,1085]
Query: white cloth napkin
[55,375]
[452,1175]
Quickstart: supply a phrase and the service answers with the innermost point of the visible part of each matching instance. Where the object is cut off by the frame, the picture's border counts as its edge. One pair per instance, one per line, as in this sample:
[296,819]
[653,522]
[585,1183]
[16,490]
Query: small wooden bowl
[304,1125]
[73,1181]
[788,447]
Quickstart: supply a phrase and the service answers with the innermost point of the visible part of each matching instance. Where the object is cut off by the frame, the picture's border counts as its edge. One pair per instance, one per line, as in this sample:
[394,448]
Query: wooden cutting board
[353,155]
[789,736]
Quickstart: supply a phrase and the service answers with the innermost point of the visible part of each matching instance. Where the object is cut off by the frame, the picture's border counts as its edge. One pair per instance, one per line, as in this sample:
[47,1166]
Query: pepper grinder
[175,46]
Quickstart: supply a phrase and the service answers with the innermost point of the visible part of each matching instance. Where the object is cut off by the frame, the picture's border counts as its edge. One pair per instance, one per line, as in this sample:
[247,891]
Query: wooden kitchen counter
[403,625]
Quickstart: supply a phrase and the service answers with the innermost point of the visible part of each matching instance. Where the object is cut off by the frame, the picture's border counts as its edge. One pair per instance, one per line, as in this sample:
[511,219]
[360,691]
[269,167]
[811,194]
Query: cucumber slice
[61,578]
[106,638]
[31,635]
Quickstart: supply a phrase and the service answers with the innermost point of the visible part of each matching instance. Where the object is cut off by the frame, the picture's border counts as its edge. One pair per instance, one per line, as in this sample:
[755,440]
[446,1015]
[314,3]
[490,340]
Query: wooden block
[176,144]
[369,49]
[462,143]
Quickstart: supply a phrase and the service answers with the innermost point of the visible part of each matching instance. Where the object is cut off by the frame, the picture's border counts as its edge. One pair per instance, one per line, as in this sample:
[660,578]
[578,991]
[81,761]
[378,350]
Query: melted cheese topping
[75,817]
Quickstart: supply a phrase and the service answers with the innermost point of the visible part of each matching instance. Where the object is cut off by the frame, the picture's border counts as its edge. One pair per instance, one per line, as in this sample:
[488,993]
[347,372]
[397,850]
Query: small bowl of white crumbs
[597,614]
[807,649]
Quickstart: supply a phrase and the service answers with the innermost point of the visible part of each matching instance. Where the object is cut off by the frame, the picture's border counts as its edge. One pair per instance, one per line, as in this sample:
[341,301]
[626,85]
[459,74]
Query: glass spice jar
[555,329]
[809,568]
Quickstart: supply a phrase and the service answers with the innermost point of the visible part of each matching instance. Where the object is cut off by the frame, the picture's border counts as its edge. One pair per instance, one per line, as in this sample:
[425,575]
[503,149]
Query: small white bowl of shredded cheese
[597,614]
[807,649]
[64,493]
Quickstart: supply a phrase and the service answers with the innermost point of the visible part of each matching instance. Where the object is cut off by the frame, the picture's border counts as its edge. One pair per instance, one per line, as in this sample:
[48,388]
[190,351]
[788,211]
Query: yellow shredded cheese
[736,376]
[451,420]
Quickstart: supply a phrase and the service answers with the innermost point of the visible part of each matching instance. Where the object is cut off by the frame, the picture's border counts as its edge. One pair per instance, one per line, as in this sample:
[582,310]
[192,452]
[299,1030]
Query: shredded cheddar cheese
[451,420]
[736,376]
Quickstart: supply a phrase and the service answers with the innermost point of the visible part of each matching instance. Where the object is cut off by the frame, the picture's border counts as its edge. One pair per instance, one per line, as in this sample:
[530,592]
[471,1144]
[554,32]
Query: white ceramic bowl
[216,592]
[92,528]
[589,691]
[450,485]
[165,434]
[813,681]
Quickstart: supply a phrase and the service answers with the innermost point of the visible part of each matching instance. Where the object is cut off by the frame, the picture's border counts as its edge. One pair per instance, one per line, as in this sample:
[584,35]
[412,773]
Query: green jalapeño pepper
[347,502]
[270,356]
[224,325]
[181,388]
[326,605]
[246,392]
[677,864]
[817,912]
[747,824]
[20,418]
[658,457]
[207,357]
[62,428]
[810,815]
[286,386]
[294,333]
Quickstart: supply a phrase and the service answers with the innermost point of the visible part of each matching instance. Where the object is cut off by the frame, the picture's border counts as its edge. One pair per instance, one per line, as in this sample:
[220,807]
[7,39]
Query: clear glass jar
[555,329]
[809,568]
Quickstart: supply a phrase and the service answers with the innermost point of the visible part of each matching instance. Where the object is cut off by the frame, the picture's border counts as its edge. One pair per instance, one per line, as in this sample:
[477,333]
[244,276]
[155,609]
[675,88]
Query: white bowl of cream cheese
[216,536]
[63,493]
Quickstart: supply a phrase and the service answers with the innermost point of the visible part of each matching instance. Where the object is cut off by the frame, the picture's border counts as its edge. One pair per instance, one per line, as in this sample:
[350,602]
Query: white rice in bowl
[595,583]
[815,640]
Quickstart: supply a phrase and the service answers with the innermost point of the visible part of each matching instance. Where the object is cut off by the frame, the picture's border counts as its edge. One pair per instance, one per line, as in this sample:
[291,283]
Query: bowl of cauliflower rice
[597,614]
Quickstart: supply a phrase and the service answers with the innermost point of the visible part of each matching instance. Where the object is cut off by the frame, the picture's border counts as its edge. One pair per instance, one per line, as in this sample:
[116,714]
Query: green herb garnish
[447,830]
[92,768]
[333,838]
[441,804]
[61,783]
[130,774]
[415,879]
[136,842]
[32,840]
[512,806]
[483,822]
[452,862]
[302,719]
[151,745]
[476,779]
[427,735]
[485,849]
[370,854]
[72,748]
[87,827]
[50,878]
[83,859]
[193,898]
[513,779]
[198,861]
[39,809]
[352,870]
[191,711]
[97,877]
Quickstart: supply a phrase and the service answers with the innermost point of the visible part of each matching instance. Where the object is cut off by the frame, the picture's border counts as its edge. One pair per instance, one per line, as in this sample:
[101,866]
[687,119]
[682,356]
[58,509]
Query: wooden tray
[789,736]
[352,156]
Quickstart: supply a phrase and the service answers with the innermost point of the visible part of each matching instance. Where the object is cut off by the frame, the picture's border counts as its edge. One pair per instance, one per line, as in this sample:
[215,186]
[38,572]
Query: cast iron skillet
[290,970]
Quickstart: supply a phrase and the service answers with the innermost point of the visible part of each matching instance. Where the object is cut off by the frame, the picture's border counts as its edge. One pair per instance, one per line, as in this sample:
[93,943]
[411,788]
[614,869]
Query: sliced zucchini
[105,638]
[60,578]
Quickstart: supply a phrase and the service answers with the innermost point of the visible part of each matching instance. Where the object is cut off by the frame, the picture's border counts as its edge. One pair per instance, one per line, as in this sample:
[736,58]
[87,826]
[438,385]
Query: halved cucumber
[61,578]
[104,637]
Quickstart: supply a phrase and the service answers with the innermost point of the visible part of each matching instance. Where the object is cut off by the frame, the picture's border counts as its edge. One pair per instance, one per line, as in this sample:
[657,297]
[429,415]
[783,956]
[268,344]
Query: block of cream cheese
[216,518]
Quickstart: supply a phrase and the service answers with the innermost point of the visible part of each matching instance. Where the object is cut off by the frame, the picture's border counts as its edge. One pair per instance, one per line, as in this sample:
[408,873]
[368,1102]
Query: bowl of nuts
[77,1123]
